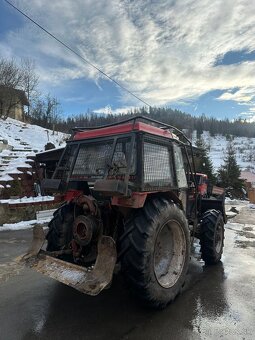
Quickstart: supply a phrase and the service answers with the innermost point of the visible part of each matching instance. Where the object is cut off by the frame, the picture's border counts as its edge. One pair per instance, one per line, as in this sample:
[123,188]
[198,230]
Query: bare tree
[18,82]
[11,75]
[45,111]
[30,81]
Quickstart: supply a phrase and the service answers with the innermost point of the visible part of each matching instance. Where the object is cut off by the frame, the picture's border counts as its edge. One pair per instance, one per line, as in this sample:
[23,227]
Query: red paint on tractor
[121,129]
[202,182]
[137,200]
[71,194]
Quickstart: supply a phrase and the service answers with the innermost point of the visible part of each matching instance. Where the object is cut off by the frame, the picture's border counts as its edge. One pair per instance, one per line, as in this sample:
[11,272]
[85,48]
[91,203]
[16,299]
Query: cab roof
[121,129]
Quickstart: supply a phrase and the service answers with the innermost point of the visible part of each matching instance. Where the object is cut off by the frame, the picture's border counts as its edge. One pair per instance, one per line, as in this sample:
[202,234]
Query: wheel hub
[169,254]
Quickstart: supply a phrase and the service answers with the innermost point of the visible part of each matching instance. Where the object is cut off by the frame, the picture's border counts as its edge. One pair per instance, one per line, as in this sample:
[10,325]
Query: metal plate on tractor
[87,280]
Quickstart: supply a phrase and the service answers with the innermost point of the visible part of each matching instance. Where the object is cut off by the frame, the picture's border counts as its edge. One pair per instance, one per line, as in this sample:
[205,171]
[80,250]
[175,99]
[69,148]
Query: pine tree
[204,164]
[229,172]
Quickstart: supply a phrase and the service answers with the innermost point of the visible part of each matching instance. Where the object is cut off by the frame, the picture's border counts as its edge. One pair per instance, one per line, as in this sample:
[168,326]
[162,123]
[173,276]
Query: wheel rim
[169,254]
[218,238]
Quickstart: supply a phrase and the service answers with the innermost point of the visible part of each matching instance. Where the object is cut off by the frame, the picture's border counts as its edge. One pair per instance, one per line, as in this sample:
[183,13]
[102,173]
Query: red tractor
[130,200]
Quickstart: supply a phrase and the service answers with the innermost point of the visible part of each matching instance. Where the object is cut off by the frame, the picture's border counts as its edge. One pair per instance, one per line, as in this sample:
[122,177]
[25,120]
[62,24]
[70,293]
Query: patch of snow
[6,178]
[14,171]
[22,225]
[231,214]
[28,200]
[234,226]
[235,202]
[25,141]
[251,206]
[34,137]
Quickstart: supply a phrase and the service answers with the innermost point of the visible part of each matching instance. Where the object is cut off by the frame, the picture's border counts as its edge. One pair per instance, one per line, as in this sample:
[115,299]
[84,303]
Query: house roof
[248,176]
[49,155]
[5,90]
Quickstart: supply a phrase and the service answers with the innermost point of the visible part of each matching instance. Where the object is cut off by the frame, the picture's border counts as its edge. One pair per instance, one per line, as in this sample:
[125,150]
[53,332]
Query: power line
[76,53]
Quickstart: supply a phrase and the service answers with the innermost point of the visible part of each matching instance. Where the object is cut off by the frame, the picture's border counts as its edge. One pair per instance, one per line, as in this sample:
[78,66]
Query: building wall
[16,111]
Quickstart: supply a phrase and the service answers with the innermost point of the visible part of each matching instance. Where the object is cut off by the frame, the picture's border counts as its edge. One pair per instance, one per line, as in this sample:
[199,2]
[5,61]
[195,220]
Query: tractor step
[90,281]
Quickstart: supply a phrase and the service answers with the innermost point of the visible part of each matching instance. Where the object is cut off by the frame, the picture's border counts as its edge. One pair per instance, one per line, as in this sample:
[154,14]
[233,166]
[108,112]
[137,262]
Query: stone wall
[11,213]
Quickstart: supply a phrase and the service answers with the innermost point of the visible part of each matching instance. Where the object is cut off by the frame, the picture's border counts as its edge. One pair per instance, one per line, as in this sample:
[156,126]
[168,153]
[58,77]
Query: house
[249,178]
[12,102]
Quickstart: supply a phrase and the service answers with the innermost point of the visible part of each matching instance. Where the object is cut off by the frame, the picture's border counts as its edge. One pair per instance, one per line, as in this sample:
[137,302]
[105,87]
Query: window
[121,156]
[92,160]
[179,167]
[157,165]
[66,161]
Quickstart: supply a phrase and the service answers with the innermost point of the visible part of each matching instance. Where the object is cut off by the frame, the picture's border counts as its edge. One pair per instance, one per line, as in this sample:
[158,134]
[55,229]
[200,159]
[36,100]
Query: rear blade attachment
[90,281]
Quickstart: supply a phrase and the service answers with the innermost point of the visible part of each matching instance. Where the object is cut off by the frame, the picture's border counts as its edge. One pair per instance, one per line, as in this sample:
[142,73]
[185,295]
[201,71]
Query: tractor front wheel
[155,248]
[212,236]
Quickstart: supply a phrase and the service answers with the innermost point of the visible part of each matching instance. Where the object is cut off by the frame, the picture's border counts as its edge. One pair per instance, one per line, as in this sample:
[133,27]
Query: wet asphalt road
[217,303]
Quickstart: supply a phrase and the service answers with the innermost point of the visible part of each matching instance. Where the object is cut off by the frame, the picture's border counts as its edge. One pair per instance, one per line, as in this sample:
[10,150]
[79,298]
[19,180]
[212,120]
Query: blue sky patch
[235,57]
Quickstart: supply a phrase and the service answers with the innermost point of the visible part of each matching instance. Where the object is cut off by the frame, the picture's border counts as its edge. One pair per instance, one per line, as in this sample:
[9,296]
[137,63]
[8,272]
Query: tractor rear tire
[155,252]
[212,236]
[60,228]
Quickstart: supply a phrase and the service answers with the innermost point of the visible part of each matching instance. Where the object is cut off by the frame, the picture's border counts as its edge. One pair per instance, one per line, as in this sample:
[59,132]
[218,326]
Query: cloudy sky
[197,56]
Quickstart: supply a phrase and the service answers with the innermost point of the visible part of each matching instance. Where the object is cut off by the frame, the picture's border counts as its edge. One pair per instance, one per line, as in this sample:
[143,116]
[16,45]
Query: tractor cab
[125,162]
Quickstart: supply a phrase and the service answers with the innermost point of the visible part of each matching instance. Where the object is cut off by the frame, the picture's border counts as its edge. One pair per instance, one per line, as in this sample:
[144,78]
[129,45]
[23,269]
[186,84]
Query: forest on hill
[181,120]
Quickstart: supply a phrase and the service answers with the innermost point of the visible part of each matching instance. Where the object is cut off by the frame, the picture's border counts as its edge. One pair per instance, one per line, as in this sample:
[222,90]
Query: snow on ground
[24,140]
[251,206]
[28,200]
[22,225]
[26,136]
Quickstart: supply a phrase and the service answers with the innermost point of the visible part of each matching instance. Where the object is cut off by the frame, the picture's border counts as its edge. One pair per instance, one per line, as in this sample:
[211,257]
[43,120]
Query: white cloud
[108,110]
[243,95]
[162,51]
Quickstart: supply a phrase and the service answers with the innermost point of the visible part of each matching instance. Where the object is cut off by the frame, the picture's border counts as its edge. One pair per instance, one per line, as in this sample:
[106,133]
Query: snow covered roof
[248,176]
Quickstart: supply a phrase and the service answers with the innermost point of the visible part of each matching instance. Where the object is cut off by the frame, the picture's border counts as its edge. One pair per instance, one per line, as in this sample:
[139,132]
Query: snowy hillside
[19,142]
[245,150]
[24,136]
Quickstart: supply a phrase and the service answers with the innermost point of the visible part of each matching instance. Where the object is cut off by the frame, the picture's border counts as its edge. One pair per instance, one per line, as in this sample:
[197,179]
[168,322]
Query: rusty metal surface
[136,200]
[87,202]
[37,242]
[89,281]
